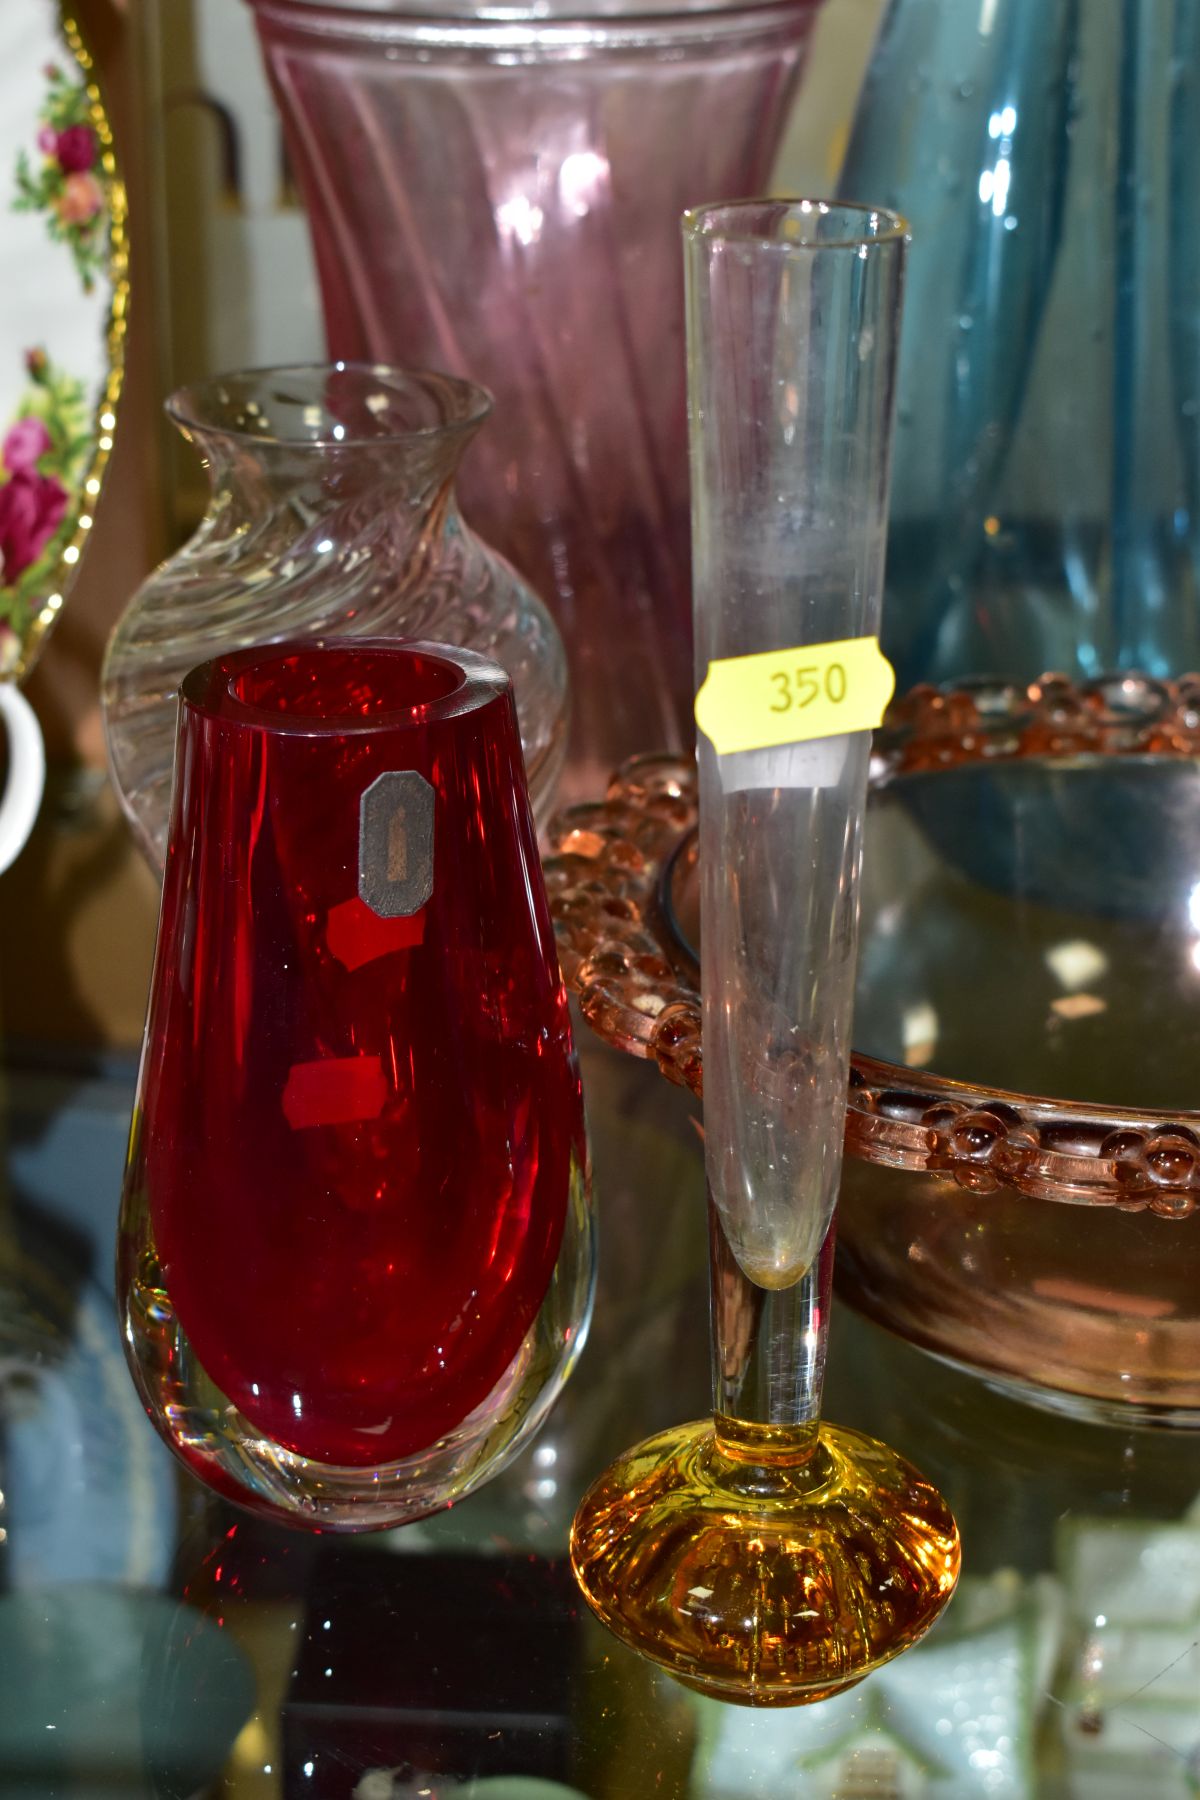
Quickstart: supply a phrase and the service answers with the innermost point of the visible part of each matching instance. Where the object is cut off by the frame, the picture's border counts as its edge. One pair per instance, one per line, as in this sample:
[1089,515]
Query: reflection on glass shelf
[110,1691]
[1065,1524]
[1027,925]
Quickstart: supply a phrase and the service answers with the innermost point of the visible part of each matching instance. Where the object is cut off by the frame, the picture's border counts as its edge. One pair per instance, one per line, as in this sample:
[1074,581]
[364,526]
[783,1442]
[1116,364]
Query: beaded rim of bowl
[608,861]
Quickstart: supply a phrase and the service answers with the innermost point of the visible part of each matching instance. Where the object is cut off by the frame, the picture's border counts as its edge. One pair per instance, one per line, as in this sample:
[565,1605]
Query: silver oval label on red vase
[395,844]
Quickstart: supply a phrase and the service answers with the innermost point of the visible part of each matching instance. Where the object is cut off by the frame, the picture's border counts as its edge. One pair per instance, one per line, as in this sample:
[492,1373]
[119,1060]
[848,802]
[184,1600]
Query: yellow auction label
[787,696]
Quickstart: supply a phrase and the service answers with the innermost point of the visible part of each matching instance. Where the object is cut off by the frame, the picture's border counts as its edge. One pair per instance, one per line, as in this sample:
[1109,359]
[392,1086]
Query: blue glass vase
[1046,494]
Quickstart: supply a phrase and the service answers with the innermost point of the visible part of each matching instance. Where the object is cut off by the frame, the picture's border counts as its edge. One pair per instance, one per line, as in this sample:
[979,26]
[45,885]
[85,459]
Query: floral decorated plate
[62,315]
[63,303]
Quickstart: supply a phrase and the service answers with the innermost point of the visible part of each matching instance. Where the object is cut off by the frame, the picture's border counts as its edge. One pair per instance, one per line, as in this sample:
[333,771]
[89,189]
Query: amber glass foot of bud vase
[767,1564]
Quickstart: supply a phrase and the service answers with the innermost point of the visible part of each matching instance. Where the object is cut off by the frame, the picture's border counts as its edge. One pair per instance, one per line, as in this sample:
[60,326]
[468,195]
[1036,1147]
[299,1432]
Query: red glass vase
[355,1250]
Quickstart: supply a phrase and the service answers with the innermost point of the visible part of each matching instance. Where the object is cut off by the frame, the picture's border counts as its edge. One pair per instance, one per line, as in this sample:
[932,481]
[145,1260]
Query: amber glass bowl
[1023,1118]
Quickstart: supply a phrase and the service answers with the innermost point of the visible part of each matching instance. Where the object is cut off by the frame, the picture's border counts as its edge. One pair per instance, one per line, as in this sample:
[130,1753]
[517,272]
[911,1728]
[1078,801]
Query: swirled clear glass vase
[333,513]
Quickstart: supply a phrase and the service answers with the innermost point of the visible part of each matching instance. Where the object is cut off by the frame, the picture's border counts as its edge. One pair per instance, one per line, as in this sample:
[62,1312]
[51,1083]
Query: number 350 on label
[787,696]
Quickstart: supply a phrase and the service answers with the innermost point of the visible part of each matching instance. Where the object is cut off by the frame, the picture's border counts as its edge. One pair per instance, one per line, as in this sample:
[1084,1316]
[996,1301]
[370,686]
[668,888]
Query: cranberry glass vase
[356,1255]
[498,193]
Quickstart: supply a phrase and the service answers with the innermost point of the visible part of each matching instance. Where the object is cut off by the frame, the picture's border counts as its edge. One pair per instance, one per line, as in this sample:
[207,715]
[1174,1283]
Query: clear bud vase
[763,1555]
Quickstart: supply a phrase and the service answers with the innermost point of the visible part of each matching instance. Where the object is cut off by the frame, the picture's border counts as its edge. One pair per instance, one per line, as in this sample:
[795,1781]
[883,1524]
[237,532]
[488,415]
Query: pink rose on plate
[24,444]
[75,148]
[80,200]
[47,141]
[31,510]
[32,505]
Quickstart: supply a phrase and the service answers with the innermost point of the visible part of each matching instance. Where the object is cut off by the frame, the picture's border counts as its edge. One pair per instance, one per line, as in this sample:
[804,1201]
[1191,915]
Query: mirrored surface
[454,1657]
[1032,925]
[1035,926]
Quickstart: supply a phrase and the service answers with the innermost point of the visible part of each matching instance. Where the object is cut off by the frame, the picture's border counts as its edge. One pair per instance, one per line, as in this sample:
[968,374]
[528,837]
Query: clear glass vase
[497,192]
[1046,506]
[764,1555]
[333,512]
